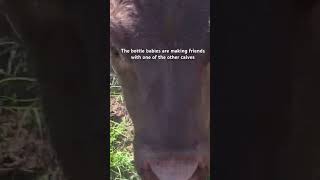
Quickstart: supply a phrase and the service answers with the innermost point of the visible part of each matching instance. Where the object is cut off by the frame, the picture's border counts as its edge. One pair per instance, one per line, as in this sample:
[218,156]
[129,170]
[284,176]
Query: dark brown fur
[168,101]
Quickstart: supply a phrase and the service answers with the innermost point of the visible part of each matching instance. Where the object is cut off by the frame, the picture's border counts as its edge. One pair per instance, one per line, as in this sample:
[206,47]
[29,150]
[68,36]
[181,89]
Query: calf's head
[168,100]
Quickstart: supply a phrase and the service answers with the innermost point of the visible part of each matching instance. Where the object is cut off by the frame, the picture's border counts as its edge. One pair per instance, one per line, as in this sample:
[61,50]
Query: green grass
[121,158]
[121,155]
[20,108]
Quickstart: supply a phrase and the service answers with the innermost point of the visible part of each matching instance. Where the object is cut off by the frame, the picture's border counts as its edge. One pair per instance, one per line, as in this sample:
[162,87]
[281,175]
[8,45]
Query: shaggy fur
[123,15]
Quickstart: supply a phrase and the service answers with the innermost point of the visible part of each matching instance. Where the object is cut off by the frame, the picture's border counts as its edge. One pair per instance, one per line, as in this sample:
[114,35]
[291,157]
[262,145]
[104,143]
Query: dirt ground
[117,109]
[25,152]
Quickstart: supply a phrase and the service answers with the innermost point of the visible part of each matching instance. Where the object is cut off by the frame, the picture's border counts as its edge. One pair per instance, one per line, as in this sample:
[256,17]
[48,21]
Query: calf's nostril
[173,169]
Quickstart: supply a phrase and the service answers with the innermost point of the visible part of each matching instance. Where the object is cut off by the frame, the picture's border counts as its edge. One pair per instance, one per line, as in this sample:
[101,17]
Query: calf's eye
[114,52]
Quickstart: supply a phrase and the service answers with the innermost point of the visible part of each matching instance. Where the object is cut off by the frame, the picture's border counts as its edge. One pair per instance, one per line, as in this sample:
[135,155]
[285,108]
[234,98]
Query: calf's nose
[174,166]
[174,169]
[167,163]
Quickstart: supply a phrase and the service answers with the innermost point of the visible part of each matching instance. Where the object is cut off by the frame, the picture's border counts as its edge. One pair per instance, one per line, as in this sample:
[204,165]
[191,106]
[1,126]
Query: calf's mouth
[174,170]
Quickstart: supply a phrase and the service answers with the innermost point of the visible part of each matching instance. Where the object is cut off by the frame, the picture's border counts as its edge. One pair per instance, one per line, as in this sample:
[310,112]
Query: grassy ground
[121,136]
[25,152]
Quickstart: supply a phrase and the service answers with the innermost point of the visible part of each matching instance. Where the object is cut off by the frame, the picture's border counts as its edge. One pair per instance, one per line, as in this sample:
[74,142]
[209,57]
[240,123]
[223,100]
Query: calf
[168,100]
